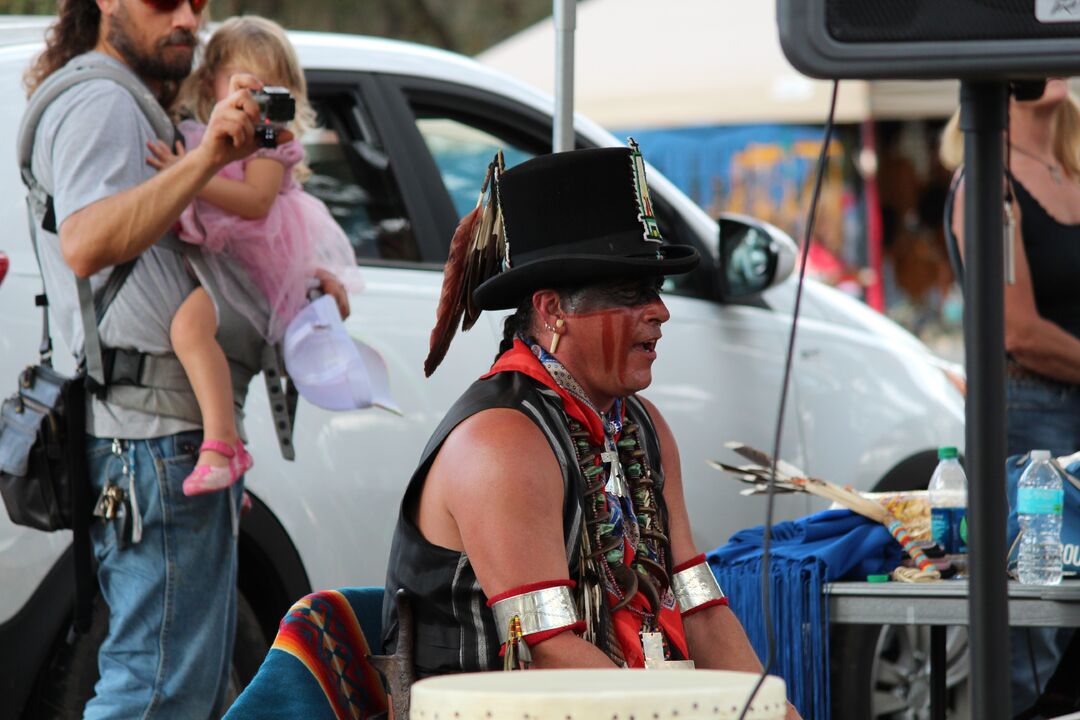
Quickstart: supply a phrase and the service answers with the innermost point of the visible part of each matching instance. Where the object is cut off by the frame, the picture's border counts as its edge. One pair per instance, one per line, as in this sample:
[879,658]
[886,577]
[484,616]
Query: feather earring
[476,253]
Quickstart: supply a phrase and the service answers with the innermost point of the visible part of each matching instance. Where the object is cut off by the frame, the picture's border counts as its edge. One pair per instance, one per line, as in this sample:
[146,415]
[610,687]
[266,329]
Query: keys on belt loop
[115,504]
[109,501]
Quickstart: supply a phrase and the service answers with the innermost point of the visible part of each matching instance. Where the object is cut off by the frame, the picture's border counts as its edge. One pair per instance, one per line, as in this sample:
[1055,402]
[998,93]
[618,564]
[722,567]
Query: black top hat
[576,218]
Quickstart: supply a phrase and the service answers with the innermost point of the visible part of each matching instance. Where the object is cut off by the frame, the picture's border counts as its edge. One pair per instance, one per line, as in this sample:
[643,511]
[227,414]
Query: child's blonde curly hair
[256,45]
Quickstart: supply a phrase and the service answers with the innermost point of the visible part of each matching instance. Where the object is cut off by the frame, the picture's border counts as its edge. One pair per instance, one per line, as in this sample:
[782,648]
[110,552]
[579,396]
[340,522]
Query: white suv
[407,132]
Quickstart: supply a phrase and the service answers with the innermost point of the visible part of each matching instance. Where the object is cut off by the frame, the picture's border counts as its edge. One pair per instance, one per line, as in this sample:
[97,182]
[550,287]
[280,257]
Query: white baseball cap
[331,369]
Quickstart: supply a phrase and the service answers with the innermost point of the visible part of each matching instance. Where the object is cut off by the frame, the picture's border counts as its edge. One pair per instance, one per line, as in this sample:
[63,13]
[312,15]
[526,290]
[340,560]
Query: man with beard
[546,523]
[169,578]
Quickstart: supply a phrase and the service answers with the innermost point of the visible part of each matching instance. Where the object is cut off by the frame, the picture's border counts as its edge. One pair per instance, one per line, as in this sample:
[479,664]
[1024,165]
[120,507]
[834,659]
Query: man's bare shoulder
[490,428]
[492,437]
[499,449]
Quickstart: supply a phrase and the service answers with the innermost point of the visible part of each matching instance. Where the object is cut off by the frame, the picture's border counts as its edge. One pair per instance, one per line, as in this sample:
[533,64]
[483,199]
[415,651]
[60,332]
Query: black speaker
[926,39]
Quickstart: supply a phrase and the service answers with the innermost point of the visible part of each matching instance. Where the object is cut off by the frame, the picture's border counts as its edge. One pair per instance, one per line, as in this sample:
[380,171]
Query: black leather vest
[455,630]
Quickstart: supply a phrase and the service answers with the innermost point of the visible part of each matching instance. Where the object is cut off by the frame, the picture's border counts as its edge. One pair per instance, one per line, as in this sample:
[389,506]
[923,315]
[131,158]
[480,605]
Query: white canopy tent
[642,63]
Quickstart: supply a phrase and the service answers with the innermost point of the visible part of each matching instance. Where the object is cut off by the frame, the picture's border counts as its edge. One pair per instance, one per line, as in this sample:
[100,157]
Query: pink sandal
[210,478]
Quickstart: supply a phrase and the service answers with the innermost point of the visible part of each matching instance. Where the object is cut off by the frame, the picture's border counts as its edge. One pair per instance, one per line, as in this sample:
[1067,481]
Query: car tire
[248,652]
[68,680]
[882,672]
[66,684]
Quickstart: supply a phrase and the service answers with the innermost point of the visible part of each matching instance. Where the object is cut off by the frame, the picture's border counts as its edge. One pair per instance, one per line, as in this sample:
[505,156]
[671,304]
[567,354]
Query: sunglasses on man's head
[197,6]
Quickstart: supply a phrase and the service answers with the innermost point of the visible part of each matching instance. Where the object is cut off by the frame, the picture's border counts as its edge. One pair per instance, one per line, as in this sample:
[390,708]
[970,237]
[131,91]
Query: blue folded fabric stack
[804,555]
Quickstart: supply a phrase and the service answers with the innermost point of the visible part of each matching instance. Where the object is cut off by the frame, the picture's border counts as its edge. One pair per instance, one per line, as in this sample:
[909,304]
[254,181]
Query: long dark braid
[74,33]
[520,322]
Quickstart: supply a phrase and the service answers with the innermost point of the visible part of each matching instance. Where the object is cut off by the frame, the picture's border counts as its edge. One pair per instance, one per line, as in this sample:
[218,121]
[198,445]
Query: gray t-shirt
[91,144]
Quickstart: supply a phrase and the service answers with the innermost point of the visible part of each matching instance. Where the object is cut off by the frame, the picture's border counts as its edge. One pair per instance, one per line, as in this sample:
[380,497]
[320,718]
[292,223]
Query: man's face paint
[615,329]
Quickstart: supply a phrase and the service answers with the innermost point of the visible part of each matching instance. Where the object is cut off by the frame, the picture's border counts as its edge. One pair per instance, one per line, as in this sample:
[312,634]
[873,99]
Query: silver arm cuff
[538,611]
[695,586]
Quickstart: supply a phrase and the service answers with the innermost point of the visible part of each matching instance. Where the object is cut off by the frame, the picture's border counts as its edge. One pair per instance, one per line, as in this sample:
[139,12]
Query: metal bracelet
[538,611]
[695,586]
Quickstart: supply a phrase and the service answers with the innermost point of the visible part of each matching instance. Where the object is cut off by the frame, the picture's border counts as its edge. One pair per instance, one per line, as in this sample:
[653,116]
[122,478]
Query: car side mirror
[754,256]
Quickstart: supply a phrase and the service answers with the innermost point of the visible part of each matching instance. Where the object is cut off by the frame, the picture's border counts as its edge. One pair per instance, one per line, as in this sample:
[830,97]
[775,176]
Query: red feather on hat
[476,253]
[451,306]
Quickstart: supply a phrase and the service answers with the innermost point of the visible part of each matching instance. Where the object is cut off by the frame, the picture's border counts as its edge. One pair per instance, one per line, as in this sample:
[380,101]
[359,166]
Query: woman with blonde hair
[1042,309]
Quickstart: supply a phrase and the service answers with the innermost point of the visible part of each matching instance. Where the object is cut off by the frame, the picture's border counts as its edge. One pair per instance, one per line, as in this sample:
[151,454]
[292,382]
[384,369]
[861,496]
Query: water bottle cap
[1037,455]
[947,453]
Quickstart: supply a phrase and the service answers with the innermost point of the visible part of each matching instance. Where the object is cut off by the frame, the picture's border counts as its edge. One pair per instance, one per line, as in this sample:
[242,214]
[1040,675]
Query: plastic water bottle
[948,503]
[1039,498]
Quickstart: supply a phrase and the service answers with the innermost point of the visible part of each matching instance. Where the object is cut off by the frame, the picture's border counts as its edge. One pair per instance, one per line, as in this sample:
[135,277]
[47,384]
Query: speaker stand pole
[983,108]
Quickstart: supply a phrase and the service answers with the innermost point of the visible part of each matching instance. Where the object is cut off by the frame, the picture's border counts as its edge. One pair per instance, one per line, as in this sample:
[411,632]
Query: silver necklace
[1054,170]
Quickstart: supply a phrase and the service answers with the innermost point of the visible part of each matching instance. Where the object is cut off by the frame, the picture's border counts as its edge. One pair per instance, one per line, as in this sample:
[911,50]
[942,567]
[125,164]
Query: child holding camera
[256,213]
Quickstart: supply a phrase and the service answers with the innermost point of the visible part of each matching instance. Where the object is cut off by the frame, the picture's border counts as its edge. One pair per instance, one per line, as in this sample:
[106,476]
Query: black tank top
[455,629]
[1053,256]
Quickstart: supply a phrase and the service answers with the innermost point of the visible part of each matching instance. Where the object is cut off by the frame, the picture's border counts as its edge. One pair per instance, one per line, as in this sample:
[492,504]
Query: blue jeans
[1042,415]
[172,595]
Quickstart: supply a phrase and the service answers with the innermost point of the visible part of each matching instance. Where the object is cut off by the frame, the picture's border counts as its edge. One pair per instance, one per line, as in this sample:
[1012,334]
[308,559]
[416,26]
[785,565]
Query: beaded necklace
[615,522]
[611,422]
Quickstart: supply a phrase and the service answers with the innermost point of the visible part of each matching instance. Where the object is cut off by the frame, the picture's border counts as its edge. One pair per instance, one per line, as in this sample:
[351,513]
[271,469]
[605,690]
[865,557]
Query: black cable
[770,639]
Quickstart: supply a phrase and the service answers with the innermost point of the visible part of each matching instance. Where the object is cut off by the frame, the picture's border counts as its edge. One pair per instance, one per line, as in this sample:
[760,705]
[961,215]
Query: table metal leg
[939,700]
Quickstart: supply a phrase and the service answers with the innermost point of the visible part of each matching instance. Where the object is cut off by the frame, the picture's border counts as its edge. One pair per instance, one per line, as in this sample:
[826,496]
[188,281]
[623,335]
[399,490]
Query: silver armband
[695,586]
[538,611]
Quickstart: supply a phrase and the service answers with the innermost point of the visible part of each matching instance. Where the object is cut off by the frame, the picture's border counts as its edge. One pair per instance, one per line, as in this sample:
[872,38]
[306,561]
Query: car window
[462,144]
[351,174]
[462,152]
[675,229]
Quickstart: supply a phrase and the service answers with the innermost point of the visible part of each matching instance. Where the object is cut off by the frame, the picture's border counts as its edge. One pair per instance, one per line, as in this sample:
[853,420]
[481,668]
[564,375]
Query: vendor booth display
[789,478]
[837,545]
[862,541]
[804,555]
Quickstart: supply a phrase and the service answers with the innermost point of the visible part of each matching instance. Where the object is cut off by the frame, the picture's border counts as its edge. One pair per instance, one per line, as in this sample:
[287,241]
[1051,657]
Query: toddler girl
[264,238]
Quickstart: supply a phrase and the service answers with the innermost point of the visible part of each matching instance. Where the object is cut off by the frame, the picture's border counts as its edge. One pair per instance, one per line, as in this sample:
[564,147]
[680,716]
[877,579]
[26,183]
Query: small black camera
[276,108]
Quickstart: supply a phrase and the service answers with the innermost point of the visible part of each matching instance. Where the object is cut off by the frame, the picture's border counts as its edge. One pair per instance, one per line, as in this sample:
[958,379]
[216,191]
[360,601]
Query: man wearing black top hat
[546,523]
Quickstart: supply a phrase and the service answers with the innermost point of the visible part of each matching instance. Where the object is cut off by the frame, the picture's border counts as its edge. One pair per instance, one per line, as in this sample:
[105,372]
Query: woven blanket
[317,667]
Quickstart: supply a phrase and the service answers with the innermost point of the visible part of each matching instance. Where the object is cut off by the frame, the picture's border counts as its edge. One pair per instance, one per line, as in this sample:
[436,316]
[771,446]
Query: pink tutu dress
[278,254]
